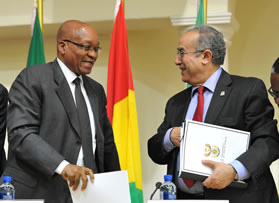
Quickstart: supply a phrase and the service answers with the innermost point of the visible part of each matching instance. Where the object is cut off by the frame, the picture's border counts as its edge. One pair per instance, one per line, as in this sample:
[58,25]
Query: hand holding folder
[202,141]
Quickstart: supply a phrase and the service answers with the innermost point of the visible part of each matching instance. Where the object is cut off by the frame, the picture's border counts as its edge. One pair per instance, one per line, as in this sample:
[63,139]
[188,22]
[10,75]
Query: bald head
[77,46]
[73,29]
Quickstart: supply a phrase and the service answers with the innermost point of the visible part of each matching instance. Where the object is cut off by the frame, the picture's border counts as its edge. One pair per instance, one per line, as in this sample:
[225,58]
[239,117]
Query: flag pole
[40,12]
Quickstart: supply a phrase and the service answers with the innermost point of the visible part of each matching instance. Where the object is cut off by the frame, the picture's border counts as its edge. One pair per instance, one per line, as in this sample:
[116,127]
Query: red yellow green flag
[121,105]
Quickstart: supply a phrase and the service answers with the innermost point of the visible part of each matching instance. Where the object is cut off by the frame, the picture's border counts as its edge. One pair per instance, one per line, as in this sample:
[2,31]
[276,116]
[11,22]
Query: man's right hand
[175,136]
[74,173]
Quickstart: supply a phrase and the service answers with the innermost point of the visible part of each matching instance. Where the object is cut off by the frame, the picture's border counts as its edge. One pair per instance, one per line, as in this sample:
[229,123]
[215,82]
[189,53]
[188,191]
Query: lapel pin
[222,93]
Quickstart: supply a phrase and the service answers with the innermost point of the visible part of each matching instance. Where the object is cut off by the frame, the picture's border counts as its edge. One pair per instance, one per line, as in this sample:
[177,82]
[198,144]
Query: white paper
[203,141]
[188,201]
[111,187]
[23,201]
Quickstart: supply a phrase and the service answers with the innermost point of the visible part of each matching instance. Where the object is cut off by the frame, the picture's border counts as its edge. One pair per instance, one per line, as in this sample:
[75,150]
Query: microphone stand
[157,185]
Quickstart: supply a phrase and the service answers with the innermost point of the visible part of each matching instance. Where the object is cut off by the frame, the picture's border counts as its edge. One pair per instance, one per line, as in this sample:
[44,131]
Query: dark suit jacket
[245,106]
[3,115]
[43,130]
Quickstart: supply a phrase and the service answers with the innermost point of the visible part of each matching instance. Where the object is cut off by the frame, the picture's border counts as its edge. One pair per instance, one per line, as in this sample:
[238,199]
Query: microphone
[157,185]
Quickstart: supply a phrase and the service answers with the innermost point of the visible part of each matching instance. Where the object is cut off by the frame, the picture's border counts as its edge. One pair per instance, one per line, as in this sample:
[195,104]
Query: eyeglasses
[180,52]
[273,93]
[97,50]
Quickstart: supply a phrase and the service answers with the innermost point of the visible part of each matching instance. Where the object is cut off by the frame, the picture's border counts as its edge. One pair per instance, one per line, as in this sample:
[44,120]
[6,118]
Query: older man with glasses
[58,128]
[219,98]
[274,80]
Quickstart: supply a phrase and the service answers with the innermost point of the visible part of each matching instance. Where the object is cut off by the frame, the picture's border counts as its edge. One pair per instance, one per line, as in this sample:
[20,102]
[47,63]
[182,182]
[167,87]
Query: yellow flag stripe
[40,12]
[125,128]
[205,11]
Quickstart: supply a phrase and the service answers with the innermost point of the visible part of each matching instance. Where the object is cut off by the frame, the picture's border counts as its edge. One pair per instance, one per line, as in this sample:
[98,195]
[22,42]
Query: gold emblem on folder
[212,151]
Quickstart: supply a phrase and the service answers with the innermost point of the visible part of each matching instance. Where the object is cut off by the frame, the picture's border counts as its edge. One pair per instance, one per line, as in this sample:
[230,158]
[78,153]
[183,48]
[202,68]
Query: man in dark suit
[230,101]
[274,80]
[48,141]
[3,116]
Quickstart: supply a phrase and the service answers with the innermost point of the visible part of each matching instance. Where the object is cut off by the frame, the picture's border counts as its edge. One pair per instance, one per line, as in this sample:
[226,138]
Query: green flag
[200,18]
[36,53]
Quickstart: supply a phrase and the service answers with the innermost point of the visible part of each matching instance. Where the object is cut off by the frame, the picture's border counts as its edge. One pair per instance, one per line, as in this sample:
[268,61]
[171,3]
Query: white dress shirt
[70,77]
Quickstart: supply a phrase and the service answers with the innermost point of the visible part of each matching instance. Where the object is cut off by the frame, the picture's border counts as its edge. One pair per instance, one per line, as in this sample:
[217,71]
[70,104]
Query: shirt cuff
[240,169]
[167,143]
[61,167]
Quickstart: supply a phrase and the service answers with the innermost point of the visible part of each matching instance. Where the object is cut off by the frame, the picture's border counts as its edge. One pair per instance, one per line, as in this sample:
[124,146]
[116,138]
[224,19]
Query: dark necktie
[85,128]
[197,117]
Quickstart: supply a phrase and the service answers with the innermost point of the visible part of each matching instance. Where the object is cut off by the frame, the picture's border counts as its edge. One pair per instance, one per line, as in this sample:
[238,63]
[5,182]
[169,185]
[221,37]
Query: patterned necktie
[197,117]
[85,128]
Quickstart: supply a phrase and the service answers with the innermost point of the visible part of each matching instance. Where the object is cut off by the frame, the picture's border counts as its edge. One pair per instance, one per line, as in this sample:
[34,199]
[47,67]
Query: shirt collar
[69,75]
[211,82]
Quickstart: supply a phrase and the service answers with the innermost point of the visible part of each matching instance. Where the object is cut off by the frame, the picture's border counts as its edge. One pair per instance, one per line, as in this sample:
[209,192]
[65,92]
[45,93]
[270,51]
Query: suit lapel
[188,100]
[219,98]
[93,99]
[65,96]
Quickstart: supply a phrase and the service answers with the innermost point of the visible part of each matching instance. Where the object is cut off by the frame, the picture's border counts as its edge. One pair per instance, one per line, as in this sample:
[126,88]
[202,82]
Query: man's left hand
[74,174]
[222,175]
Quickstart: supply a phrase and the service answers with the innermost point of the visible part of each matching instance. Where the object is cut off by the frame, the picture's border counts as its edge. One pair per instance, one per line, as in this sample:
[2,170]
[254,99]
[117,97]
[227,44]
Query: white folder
[202,141]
